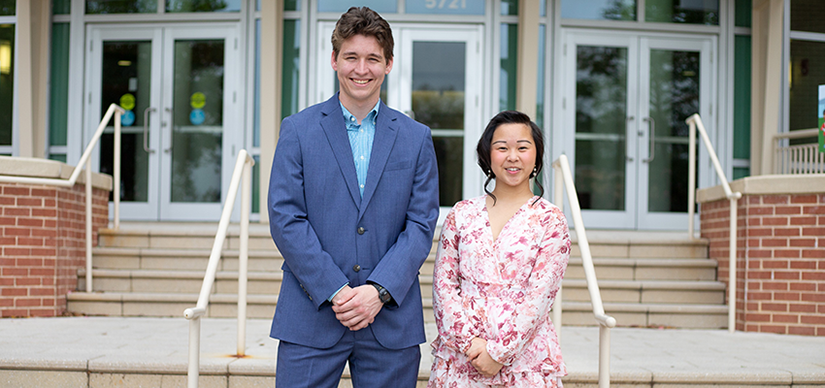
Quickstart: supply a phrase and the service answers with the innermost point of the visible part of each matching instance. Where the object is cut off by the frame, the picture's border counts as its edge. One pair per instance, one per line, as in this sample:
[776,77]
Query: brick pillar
[43,245]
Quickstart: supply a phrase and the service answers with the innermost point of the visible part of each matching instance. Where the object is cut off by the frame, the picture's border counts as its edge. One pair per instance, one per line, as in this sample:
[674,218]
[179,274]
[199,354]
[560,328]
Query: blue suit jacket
[316,211]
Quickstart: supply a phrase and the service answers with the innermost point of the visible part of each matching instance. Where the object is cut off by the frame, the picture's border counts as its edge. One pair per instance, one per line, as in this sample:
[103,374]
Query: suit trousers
[370,364]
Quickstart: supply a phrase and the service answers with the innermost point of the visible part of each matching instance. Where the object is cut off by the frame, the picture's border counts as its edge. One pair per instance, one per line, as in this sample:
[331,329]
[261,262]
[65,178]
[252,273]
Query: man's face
[361,68]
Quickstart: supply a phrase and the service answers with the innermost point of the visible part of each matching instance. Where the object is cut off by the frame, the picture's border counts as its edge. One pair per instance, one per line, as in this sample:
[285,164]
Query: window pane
[59,94]
[742,97]
[203,5]
[126,76]
[59,158]
[674,96]
[121,6]
[807,73]
[806,15]
[599,9]
[438,94]
[380,6]
[6,82]
[291,67]
[509,7]
[682,11]
[61,7]
[509,49]
[197,134]
[290,5]
[601,98]
[743,12]
[7,7]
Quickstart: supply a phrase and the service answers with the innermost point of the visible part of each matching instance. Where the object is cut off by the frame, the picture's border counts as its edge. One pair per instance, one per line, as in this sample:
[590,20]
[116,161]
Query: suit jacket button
[361,230]
[356,268]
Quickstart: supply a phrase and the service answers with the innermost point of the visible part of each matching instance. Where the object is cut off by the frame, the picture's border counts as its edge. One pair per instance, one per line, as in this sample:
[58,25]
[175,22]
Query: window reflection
[6,82]
[601,106]
[682,11]
[599,9]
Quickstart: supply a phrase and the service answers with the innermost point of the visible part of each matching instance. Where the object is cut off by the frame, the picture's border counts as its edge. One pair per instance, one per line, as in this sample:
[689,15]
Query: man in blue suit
[353,202]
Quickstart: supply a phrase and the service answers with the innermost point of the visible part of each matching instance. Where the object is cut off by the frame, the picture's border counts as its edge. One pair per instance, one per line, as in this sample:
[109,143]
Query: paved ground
[638,356]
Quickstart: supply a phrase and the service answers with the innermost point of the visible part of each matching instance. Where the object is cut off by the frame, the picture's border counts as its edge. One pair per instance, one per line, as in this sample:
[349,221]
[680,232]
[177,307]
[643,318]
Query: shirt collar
[349,119]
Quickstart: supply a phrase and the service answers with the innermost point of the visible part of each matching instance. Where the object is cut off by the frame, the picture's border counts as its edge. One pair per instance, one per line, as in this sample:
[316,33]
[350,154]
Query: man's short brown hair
[362,21]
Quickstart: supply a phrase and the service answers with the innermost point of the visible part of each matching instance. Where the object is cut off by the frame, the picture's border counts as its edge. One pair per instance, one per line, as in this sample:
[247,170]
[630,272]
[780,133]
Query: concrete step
[156,269]
[180,281]
[645,269]
[644,292]
[181,259]
[685,316]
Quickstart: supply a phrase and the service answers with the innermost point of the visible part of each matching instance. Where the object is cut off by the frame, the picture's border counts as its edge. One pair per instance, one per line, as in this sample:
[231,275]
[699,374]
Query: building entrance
[625,100]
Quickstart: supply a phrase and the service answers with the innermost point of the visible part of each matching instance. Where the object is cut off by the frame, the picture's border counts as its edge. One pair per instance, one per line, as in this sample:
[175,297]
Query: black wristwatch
[383,294]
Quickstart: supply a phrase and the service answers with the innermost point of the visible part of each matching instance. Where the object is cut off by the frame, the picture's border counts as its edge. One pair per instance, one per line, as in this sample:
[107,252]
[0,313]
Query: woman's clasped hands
[480,359]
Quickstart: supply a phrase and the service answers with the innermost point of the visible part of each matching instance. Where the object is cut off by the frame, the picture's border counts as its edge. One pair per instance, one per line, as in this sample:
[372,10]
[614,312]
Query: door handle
[652,149]
[627,143]
[146,130]
[171,129]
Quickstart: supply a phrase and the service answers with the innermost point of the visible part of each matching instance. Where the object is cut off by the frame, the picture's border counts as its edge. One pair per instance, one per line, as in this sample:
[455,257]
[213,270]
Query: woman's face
[513,155]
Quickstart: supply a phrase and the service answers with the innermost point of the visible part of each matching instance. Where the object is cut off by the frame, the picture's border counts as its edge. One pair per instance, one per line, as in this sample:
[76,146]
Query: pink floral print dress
[500,290]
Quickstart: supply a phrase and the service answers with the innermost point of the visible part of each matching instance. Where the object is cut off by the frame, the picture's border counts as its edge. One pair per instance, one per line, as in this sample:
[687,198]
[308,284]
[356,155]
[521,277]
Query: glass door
[199,125]
[177,86]
[436,79]
[631,95]
[124,67]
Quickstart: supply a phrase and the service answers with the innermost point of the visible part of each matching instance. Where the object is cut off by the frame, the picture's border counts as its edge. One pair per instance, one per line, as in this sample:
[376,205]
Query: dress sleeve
[454,329]
[534,302]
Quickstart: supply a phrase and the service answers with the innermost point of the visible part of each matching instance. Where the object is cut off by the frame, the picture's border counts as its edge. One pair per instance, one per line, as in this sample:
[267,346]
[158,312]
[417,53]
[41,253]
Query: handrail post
[732,276]
[117,170]
[695,122]
[691,176]
[563,179]
[558,198]
[243,257]
[194,352]
[604,356]
[89,225]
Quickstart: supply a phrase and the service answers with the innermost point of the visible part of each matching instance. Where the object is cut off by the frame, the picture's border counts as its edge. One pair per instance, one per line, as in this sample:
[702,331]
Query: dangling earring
[534,173]
[489,173]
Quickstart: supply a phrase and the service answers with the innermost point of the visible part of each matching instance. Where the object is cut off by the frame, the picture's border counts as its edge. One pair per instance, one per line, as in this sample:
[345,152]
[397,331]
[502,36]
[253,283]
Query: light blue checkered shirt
[360,140]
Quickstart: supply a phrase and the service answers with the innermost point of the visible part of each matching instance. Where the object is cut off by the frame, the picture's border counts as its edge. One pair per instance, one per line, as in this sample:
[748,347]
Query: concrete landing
[152,352]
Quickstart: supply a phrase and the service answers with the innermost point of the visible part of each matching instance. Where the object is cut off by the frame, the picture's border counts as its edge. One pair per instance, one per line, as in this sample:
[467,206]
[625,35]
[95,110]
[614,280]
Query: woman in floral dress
[499,264]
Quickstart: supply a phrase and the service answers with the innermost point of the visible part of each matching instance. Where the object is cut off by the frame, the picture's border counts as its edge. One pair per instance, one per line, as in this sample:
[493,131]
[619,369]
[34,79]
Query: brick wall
[43,242]
[780,260]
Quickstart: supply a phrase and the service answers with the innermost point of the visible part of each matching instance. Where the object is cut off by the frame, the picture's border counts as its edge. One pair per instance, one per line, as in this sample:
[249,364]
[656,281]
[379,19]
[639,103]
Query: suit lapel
[335,129]
[386,129]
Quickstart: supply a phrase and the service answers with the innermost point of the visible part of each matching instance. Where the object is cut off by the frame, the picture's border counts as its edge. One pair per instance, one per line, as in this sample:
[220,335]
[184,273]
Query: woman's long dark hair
[486,142]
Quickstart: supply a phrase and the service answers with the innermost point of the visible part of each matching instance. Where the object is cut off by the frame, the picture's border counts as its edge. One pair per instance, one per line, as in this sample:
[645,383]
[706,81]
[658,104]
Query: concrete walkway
[80,347]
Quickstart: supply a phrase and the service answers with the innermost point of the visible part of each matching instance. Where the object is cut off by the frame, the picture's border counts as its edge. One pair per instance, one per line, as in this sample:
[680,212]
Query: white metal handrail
[800,158]
[86,160]
[695,122]
[243,170]
[564,180]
